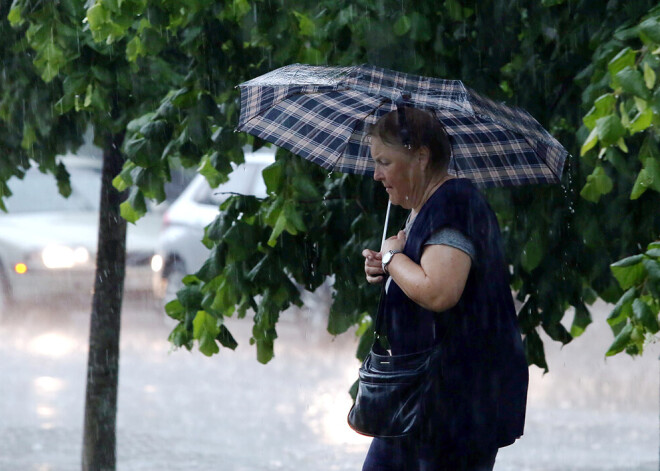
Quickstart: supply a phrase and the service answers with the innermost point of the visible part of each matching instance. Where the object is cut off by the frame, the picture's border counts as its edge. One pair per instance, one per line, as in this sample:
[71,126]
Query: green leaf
[640,103]
[629,271]
[97,16]
[653,252]
[181,337]
[655,101]
[625,58]
[175,310]
[135,49]
[621,144]
[305,187]
[453,7]
[642,182]
[590,142]
[225,338]
[134,207]
[644,315]
[242,240]
[652,167]
[598,184]
[273,176]
[621,341]
[294,220]
[402,25]
[581,320]
[532,252]
[609,129]
[151,184]
[207,169]
[14,16]
[653,270]
[305,24]
[556,331]
[642,121]
[124,180]
[603,106]
[651,28]
[339,322]
[29,136]
[649,76]
[190,296]
[265,351]
[280,225]
[534,350]
[205,330]
[420,27]
[631,81]
[623,308]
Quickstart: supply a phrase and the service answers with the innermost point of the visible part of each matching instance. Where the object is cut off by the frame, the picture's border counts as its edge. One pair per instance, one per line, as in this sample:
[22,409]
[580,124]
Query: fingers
[373,268]
[366,253]
[375,280]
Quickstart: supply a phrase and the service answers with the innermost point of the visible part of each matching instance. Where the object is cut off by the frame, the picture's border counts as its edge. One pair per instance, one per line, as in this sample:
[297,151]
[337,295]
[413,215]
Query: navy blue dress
[483,365]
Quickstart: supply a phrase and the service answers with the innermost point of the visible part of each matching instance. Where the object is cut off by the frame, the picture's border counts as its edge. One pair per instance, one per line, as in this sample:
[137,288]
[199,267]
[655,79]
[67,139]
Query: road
[179,410]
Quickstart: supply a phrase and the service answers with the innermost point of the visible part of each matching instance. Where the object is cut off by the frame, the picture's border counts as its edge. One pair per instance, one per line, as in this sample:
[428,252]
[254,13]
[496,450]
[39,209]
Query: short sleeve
[453,238]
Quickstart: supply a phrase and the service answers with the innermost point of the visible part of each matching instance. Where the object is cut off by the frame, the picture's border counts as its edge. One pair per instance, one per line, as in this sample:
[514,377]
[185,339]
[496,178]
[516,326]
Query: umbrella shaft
[387,220]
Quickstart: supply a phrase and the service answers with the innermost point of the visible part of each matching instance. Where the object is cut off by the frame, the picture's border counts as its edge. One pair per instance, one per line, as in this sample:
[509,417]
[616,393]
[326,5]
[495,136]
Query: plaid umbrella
[323,114]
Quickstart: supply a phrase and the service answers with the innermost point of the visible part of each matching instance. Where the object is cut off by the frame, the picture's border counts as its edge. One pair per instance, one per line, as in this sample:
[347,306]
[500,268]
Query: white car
[48,242]
[179,249]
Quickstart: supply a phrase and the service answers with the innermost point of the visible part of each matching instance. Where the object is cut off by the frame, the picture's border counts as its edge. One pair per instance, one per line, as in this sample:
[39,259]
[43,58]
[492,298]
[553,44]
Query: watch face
[387,257]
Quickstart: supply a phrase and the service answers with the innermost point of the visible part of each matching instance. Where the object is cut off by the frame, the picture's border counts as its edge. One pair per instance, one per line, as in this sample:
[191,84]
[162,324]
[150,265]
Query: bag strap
[380,320]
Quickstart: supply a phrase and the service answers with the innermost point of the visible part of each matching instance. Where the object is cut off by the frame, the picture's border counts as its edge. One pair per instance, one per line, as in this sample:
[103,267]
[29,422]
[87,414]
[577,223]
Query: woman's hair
[420,129]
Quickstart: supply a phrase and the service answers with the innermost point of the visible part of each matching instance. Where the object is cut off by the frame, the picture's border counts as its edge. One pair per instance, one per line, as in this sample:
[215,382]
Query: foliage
[28,129]
[82,84]
[537,55]
[552,236]
[623,128]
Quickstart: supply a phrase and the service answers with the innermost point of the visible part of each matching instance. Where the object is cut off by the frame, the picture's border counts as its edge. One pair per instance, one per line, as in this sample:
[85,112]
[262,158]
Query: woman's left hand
[396,242]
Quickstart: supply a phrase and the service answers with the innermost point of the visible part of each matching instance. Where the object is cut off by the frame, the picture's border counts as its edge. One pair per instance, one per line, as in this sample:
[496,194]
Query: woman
[446,283]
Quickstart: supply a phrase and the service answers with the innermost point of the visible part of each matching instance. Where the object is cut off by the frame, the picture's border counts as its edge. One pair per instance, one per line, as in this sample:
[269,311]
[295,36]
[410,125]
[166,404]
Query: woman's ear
[424,156]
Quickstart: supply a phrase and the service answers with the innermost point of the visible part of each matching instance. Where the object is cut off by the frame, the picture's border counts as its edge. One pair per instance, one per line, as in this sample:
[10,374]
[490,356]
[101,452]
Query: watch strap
[386,263]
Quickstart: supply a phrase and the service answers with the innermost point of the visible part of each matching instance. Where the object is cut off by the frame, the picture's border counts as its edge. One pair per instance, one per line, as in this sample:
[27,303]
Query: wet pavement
[179,410]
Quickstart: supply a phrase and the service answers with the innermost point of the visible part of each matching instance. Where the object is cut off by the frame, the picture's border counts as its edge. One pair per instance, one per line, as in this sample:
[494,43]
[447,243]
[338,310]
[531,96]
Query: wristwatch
[387,258]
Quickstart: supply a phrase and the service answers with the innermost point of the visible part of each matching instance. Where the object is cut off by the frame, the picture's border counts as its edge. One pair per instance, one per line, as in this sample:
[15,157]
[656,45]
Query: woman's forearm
[438,282]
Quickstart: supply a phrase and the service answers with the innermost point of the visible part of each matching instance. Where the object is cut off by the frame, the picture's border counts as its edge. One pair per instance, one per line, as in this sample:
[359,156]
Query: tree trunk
[99,442]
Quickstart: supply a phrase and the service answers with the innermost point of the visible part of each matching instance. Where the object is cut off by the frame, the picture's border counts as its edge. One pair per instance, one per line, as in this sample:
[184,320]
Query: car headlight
[60,256]
[156,263]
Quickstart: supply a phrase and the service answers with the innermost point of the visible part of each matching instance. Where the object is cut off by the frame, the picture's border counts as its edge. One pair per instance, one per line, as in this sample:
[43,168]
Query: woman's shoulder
[459,191]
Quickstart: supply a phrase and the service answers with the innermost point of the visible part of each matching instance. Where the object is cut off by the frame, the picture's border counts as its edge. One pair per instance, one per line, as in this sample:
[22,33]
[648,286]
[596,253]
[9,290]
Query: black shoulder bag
[395,394]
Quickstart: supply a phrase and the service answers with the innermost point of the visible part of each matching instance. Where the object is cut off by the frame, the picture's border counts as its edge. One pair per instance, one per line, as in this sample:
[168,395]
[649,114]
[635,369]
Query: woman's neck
[432,186]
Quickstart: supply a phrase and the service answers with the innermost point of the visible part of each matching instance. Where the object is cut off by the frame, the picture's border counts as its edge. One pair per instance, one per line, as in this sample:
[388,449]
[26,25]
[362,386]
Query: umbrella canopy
[323,114]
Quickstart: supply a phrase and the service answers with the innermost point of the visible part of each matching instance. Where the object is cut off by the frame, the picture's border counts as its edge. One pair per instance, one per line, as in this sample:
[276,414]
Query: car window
[38,192]
[245,180]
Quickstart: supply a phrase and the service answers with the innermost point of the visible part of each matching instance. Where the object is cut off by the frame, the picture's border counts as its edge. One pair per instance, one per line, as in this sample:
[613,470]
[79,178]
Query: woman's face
[398,171]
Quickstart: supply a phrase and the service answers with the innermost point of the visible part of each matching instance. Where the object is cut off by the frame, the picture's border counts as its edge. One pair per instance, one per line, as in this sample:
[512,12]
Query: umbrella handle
[387,220]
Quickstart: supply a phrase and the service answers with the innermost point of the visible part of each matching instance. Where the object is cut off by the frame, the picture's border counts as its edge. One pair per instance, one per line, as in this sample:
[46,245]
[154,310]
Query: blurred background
[180,409]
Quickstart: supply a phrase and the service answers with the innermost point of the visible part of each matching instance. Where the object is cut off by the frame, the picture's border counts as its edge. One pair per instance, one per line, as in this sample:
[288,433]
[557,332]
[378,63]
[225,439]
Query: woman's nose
[378,175]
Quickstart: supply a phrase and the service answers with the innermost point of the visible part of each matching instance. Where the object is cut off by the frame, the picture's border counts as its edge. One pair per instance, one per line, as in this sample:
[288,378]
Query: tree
[622,125]
[553,237]
[537,55]
[87,83]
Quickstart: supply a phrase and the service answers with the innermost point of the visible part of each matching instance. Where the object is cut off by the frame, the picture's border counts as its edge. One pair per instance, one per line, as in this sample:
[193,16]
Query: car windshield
[38,192]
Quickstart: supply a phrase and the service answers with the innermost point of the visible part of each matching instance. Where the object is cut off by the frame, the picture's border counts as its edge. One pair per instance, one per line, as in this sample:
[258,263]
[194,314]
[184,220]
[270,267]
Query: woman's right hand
[373,266]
